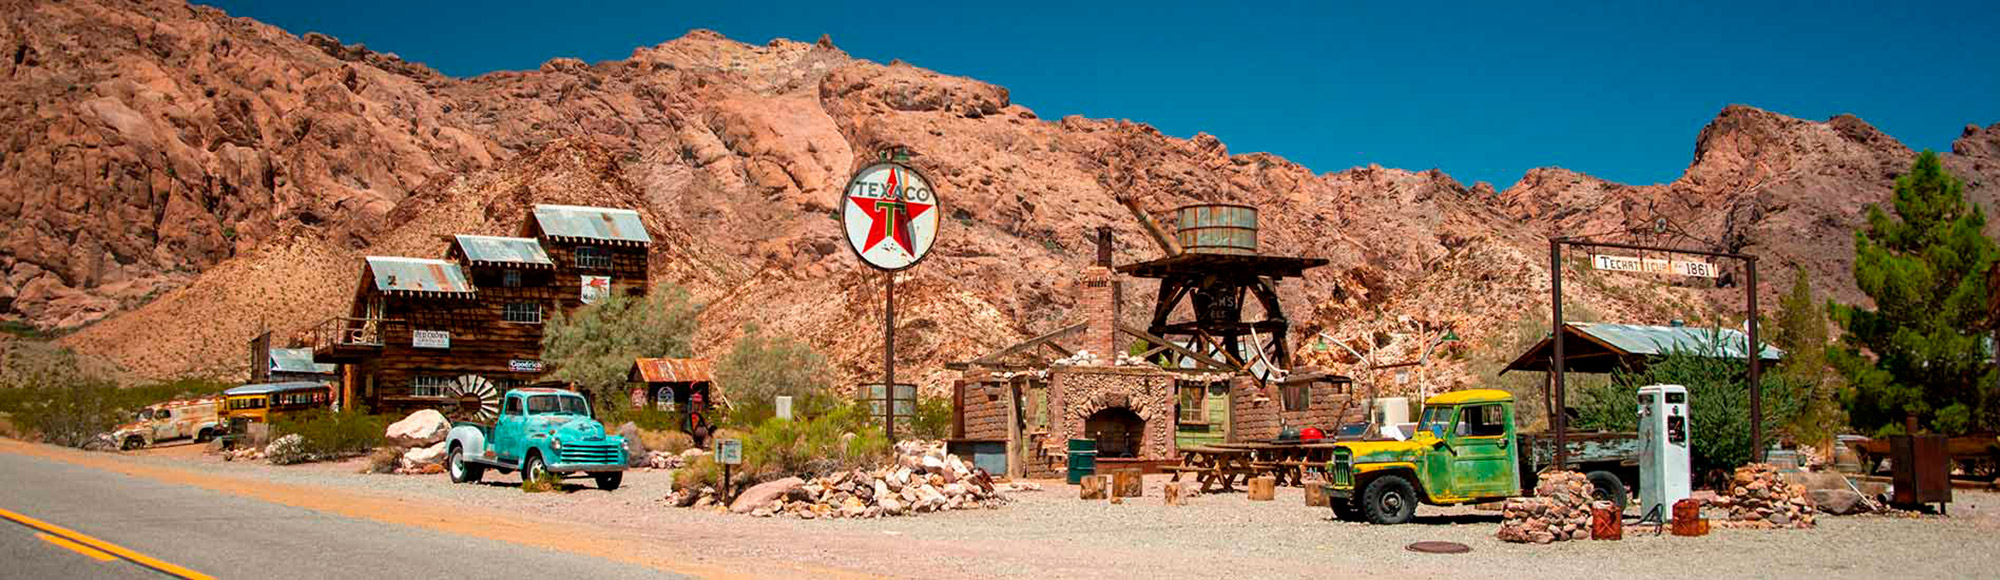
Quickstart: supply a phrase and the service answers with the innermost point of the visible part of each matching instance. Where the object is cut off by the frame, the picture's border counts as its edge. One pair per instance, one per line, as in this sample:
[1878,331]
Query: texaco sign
[891,215]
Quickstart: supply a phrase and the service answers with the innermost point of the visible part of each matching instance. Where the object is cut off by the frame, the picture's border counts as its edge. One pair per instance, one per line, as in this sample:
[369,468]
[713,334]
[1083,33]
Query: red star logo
[889,217]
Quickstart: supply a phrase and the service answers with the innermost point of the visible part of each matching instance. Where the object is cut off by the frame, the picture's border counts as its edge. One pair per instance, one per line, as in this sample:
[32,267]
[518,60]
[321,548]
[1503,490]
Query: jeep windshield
[1436,420]
[557,405]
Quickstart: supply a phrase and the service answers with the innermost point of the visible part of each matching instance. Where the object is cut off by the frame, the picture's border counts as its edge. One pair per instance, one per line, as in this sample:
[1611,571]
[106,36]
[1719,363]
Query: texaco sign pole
[890,215]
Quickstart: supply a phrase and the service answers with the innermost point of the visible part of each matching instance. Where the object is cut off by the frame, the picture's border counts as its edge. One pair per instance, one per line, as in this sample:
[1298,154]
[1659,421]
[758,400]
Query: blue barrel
[1082,459]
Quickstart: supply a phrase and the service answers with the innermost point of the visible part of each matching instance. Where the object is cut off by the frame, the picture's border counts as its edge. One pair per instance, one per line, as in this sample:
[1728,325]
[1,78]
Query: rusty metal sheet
[297,360]
[596,223]
[503,250]
[672,370]
[417,275]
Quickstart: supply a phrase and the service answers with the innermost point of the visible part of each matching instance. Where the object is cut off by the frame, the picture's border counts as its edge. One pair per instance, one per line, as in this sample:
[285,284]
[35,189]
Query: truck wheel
[461,472]
[204,436]
[533,467]
[1389,499]
[608,481]
[1608,488]
[133,442]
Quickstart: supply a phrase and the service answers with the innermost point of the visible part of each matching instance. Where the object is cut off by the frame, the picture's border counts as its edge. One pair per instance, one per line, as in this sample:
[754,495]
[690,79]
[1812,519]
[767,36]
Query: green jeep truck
[538,430]
[1466,450]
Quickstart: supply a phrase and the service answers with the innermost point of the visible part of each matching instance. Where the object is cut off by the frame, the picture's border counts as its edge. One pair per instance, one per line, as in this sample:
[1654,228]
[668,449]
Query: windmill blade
[483,396]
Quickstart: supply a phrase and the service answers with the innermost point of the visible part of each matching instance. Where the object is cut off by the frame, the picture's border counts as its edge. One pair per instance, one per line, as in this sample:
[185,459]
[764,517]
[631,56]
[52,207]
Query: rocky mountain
[175,179]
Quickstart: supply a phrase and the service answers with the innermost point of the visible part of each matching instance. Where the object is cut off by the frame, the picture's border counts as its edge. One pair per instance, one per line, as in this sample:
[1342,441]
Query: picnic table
[1288,461]
[1215,466]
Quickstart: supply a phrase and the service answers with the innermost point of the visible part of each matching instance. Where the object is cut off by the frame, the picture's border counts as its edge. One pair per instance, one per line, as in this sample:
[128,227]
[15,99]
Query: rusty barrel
[1606,521]
[1217,228]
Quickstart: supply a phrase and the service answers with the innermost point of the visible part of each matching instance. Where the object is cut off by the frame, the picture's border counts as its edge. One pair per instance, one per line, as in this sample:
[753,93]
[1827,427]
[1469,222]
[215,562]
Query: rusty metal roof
[395,274]
[596,223]
[671,370]
[297,360]
[503,250]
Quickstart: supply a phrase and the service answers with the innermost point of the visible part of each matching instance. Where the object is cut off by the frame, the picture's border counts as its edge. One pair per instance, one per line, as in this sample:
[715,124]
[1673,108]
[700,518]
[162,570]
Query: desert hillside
[175,179]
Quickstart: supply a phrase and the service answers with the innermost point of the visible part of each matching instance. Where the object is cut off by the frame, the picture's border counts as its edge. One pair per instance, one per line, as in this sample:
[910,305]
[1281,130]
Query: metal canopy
[1598,347]
[395,274]
[297,360]
[1243,265]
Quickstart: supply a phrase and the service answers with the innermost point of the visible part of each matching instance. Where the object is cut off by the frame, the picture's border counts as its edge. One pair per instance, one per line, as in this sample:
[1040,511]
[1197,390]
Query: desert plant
[384,460]
[331,435]
[1919,351]
[1801,332]
[933,420]
[543,483]
[595,347]
[65,398]
[703,470]
[287,450]
[760,367]
[1718,397]
[837,439]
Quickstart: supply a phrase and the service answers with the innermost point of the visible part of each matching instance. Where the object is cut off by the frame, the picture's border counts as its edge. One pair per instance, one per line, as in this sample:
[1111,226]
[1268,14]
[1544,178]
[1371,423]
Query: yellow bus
[259,403]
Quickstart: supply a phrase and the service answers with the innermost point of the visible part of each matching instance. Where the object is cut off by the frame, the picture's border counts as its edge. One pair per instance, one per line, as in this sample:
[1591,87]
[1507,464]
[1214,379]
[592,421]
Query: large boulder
[635,450]
[420,429]
[421,456]
[764,493]
[1838,502]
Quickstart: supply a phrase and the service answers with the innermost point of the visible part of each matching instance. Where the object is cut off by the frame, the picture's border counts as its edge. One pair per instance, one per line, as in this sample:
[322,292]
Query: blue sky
[1482,90]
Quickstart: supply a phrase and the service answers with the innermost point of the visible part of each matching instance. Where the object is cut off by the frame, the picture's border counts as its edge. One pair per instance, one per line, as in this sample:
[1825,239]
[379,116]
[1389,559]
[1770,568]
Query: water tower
[1213,264]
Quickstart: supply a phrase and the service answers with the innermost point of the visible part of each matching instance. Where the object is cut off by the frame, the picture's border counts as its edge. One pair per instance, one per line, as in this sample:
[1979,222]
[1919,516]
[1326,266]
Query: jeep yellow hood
[1389,451]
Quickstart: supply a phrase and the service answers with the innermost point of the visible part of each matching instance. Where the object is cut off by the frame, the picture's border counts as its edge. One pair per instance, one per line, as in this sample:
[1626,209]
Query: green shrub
[665,441]
[655,419]
[331,435]
[933,420]
[1718,402]
[546,482]
[594,347]
[760,367]
[814,444]
[702,471]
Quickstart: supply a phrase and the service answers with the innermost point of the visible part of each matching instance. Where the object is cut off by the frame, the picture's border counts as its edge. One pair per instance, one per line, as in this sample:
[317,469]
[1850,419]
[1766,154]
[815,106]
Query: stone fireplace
[1129,410]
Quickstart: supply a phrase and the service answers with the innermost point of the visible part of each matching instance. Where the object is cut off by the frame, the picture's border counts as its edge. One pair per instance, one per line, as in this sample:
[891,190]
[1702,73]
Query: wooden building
[595,251]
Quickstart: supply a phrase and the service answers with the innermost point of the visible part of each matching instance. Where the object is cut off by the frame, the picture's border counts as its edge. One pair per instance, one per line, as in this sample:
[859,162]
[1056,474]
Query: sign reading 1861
[891,215]
[1653,266]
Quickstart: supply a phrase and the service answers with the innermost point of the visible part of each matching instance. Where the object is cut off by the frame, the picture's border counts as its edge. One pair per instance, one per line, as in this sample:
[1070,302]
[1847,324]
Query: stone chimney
[1099,303]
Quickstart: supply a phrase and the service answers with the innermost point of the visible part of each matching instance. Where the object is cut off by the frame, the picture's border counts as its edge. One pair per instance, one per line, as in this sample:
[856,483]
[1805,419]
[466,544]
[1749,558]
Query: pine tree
[1921,350]
[1801,332]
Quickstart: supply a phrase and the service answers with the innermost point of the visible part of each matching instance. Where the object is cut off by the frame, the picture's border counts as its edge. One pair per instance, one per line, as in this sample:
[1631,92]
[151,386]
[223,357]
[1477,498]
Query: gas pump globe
[1664,475]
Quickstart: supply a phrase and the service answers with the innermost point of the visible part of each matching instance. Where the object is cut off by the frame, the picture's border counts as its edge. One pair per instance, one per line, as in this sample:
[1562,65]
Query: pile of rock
[1559,511]
[1761,498]
[924,479]
[665,460]
[420,437]
[1085,358]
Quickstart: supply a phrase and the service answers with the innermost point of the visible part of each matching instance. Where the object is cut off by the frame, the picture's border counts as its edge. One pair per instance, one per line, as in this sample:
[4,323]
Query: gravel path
[1052,534]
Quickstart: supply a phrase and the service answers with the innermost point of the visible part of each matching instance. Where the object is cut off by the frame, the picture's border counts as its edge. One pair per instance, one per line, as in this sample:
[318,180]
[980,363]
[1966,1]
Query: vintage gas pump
[1664,475]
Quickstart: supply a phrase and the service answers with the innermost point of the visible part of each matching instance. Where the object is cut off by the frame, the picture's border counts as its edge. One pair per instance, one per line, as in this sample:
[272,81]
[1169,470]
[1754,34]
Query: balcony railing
[347,334]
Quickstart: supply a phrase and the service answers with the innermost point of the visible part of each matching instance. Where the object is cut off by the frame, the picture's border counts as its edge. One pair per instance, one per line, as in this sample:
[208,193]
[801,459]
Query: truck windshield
[556,404]
[1435,420]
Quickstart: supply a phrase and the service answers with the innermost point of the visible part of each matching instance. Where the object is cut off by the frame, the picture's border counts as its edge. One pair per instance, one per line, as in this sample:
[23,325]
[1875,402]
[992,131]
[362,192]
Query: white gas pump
[1664,475]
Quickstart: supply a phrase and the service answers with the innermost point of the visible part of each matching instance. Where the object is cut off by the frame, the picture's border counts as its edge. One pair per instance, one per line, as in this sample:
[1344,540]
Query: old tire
[462,472]
[609,480]
[130,443]
[1609,488]
[1389,499]
[533,467]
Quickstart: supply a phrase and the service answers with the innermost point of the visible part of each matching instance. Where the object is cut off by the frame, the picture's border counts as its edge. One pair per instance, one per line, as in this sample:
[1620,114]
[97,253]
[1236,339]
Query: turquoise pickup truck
[538,431]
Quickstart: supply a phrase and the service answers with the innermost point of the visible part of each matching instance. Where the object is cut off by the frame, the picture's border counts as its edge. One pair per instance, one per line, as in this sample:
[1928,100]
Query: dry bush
[384,460]
[702,471]
[665,441]
[547,482]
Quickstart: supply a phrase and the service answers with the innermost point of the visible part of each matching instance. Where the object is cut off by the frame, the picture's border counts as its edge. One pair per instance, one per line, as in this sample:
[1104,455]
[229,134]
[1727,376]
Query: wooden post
[1127,483]
[1093,486]
[1263,488]
[1559,418]
[1176,493]
[1756,382]
[1017,449]
[1316,494]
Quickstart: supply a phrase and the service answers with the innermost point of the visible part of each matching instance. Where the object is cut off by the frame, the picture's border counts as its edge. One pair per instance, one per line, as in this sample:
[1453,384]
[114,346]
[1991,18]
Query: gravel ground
[1053,534]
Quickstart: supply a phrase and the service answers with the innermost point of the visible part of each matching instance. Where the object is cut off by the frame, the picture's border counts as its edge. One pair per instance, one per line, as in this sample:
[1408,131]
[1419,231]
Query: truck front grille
[590,452]
[1341,472]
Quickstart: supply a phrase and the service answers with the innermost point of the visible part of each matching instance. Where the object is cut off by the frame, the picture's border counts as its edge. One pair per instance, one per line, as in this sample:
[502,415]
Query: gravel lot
[1053,534]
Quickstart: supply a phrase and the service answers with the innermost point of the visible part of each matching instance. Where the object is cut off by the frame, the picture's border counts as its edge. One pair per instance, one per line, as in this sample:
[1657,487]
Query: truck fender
[470,439]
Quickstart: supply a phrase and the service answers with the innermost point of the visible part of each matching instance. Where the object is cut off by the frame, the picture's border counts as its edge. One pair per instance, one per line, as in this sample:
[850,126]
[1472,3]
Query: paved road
[227,536]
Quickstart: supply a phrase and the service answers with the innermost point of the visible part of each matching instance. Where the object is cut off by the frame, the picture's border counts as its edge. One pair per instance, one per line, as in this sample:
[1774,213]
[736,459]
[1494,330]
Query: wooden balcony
[347,340]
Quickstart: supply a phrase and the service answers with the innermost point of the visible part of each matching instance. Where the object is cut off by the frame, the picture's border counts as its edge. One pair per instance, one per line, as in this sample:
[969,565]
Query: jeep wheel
[461,472]
[1607,487]
[1343,510]
[204,435]
[609,480]
[1389,499]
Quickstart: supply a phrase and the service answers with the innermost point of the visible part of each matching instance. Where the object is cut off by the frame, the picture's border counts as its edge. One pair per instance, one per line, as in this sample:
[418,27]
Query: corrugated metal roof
[597,223]
[267,388]
[417,275]
[297,360]
[499,249]
[671,370]
[1659,340]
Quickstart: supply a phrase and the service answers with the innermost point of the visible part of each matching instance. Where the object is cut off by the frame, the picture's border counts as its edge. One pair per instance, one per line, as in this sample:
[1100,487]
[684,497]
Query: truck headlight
[555,443]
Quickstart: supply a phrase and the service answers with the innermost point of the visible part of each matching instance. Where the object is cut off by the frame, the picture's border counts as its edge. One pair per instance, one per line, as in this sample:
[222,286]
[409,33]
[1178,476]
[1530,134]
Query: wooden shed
[668,384]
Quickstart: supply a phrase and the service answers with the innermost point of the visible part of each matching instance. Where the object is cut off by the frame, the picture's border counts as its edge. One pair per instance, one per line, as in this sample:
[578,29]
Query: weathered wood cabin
[421,331]
[596,251]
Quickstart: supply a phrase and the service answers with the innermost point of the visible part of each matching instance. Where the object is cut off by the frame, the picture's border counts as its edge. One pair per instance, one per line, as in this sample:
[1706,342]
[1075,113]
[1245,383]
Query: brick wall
[1100,312]
[1075,393]
[1258,412]
[985,410]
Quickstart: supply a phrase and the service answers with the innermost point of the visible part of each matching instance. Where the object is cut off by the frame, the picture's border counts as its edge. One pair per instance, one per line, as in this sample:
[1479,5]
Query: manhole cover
[1439,547]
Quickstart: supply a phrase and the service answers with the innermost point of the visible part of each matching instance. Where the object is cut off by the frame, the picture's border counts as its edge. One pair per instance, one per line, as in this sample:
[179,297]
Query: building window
[510,279]
[593,257]
[1193,404]
[1296,396]
[525,312]
[429,386]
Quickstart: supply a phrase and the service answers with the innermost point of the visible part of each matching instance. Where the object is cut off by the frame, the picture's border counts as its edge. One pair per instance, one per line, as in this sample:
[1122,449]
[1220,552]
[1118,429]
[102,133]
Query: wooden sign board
[729,452]
[1610,263]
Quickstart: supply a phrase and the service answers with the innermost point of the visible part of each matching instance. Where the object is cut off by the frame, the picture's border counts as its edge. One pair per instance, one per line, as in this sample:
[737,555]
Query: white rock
[420,429]
[933,464]
[891,506]
[422,456]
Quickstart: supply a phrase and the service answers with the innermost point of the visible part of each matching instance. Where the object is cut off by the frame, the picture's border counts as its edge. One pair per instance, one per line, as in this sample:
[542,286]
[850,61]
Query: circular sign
[891,215]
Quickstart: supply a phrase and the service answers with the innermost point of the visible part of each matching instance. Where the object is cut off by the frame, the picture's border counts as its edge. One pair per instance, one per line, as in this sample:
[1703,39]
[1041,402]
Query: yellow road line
[102,546]
[92,553]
